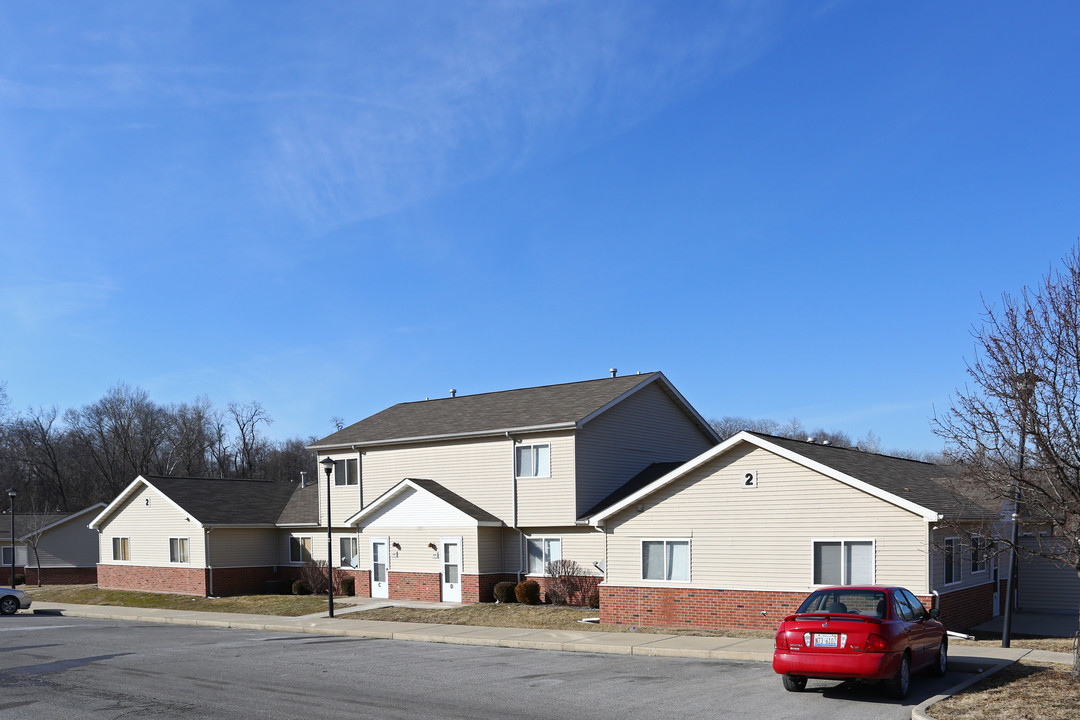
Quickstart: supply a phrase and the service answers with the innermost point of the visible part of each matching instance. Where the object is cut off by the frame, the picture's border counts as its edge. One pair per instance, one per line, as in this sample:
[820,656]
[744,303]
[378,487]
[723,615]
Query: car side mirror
[934,613]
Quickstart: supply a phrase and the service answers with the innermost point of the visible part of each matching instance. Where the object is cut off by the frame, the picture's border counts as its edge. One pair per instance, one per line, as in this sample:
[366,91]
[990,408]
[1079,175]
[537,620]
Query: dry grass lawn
[280,605]
[1024,691]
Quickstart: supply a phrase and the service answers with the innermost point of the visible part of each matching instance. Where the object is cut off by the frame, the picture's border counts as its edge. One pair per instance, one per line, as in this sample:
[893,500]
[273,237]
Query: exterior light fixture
[328,468]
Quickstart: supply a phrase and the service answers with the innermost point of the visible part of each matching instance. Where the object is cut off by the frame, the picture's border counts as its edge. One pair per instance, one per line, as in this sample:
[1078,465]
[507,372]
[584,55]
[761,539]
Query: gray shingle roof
[494,412]
[302,508]
[631,486]
[213,501]
[27,523]
[925,484]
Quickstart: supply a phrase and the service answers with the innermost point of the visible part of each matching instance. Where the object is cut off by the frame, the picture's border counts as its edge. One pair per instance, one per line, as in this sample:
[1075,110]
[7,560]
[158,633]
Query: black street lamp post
[11,498]
[328,467]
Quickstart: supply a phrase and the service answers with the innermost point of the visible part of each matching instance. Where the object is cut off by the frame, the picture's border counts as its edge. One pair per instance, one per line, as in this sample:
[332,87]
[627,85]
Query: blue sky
[793,209]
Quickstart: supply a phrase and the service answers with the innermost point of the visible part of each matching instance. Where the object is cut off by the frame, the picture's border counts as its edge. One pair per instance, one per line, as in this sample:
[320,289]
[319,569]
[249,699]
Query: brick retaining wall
[62,576]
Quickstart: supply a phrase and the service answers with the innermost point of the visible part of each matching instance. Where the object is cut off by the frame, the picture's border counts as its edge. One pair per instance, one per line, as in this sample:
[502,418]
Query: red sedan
[863,633]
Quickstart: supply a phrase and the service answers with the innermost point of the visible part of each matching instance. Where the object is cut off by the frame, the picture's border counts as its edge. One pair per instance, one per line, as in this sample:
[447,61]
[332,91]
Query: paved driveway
[56,667]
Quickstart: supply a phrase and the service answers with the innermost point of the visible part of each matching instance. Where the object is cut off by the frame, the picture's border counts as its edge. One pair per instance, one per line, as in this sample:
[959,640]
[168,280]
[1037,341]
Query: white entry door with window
[380,586]
[451,569]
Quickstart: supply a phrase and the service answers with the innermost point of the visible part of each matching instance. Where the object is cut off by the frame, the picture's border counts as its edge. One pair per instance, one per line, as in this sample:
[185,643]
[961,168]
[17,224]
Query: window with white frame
[121,549]
[541,552]
[346,472]
[665,560]
[978,554]
[299,549]
[349,555]
[843,562]
[178,550]
[5,555]
[952,558]
[533,461]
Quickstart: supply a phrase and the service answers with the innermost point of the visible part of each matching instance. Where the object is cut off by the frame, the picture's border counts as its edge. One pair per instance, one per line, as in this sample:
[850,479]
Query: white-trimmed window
[843,562]
[5,556]
[978,554]
[346,472]
[665,560]
[178,550]
[350,557]
[541,552]
[533,461]
[953,560]
[121,549]
[300,549]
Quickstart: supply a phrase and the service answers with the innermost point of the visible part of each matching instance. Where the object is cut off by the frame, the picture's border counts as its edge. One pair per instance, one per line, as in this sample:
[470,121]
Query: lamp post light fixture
[328,468]
[11,500]
[1025,389]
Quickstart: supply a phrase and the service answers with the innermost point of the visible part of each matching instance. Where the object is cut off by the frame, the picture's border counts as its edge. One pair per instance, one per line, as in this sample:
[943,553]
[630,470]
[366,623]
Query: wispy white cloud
[473,89]
[40,305]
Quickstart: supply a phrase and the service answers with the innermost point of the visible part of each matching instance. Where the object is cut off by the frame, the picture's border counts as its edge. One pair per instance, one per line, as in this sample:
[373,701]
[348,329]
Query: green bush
[348,586]
[20,579]
[301,587]
[594,599]
[505,592]
[528,592]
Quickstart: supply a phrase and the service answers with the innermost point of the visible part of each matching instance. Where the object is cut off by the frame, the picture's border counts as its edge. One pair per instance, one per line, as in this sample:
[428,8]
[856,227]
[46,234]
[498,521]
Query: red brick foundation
[742,609]
[415,586]
[696,607]
[62,576]
[962,609]
[181,581]
[481,588]
[589,583]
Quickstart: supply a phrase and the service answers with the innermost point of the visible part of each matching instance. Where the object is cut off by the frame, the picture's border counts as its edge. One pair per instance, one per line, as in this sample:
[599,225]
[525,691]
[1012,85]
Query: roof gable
[921,488]
[549,407]
[420,498]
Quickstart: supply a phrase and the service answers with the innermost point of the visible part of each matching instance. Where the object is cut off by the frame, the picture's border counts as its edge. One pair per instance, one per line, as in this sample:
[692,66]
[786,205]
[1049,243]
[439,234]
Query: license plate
[825,640]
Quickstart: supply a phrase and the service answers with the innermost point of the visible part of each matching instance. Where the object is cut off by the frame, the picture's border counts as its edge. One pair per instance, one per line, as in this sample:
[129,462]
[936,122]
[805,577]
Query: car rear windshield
[857,602]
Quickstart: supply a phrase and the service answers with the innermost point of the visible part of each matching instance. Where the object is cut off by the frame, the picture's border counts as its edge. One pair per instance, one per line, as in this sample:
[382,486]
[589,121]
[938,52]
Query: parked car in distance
[851,632]
[12,600]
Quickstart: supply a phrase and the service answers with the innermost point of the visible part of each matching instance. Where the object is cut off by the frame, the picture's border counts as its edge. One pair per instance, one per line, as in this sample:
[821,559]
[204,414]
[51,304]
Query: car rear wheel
[794,683]
[8,605]
[942,663]
[898,687]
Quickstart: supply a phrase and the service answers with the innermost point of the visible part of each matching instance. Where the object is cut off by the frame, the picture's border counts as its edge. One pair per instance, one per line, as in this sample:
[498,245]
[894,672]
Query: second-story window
[345,472]
[534,461]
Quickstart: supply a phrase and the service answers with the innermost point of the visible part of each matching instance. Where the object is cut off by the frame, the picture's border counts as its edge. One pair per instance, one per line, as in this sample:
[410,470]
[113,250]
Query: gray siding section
[1045,586]
[72,544]
[615,446]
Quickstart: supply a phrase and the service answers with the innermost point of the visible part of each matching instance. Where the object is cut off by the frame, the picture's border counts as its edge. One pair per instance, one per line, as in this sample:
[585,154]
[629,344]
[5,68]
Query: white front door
[451,569]
[380,587]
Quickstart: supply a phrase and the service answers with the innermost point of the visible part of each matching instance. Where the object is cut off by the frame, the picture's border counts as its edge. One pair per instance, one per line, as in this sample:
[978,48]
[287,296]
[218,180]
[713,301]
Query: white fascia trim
[707,456]
[95,524]
[451,436]
[60,522]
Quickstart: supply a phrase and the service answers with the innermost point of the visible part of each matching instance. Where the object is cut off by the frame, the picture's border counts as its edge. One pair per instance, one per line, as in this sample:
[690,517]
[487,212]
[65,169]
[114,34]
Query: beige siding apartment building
[442,499]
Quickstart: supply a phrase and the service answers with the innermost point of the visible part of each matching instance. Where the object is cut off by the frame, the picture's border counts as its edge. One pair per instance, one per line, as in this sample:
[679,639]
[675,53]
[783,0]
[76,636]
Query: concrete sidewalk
[961,658]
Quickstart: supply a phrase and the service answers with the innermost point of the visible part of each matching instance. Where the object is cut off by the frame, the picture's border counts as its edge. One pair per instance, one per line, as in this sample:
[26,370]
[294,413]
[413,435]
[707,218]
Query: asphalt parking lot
[60,667]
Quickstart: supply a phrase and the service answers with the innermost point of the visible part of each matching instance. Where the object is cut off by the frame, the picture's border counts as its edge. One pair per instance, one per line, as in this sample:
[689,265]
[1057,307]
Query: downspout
[930,566]
[209,567]
[514,506]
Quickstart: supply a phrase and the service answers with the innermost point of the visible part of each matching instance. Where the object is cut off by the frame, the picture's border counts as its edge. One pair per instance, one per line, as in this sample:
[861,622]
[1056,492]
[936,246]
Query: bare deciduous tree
[1016,429]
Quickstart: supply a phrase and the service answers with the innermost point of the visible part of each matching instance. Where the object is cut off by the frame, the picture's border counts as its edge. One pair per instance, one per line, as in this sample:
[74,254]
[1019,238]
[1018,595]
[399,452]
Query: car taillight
[781,640]
[875,644]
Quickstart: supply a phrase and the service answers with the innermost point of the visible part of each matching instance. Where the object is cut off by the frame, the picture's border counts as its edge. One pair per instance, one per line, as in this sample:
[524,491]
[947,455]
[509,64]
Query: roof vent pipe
[614,371]
[453,392]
